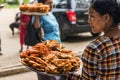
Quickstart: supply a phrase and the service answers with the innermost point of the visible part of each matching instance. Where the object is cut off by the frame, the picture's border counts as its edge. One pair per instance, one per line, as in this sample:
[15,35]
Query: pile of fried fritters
[50,57]
[35,7]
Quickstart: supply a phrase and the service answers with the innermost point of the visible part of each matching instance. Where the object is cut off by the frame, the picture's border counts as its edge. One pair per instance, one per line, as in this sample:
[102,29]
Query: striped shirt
[101,60]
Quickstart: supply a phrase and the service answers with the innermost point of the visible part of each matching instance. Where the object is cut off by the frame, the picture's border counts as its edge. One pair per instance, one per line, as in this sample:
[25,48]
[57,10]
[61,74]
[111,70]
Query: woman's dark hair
[42,1]
[111,7]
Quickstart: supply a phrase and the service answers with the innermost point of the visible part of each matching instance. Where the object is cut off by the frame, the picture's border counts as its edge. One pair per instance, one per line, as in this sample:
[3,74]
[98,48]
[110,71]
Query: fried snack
[65,55]
[24,7]
[51,69]
[32,8]
[24,54]
[54,45]
[50,57]
[35,7]
[38,4]
[75,61]
[41,49]
[43,8]
[45,57]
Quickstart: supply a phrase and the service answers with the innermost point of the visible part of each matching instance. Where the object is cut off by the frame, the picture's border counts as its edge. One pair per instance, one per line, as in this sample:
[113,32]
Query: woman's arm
[37,22]
[42,32]
[38,26]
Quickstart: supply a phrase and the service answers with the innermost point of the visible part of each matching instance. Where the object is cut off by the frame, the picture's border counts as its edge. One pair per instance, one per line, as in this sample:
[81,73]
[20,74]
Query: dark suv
[72,16]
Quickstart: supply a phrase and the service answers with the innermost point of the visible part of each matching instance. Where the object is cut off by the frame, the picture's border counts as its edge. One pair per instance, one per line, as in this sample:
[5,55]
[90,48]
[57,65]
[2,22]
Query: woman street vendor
[101,58]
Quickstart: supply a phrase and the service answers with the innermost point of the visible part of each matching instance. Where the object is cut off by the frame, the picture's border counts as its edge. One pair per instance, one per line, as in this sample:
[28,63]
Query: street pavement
[22,76]
[10,61]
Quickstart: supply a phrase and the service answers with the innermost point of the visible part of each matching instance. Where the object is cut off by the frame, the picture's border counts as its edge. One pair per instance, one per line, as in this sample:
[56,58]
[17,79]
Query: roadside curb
[14,69]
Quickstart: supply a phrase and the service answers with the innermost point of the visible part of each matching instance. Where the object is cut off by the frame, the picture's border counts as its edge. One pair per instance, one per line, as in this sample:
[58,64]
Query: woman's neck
[113,31]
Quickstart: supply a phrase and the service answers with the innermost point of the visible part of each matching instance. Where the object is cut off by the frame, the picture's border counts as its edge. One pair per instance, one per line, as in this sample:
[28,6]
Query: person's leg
[21,49]
[21,43]
[21,39]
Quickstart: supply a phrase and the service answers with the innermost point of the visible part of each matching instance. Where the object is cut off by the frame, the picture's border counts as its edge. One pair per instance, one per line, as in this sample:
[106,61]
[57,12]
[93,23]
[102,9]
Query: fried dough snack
[51,57]
[35,7]
[24,7]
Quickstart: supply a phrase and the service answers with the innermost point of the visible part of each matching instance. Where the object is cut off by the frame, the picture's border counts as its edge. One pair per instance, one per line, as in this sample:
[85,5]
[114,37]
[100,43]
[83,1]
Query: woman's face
[96,21]
[50,3]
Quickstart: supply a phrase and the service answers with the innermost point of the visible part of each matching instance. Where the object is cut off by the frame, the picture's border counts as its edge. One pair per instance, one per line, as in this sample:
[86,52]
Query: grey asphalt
[9,61]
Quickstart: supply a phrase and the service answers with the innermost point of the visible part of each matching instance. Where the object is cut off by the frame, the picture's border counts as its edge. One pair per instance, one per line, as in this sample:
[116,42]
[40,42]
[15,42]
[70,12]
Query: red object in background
[24,21]
[71,16]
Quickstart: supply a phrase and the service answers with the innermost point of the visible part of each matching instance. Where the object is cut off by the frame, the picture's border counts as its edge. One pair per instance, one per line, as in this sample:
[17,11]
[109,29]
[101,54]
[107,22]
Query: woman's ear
[107,18]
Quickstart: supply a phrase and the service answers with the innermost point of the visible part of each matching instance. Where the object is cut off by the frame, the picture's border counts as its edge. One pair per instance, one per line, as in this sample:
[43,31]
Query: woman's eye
[90,16]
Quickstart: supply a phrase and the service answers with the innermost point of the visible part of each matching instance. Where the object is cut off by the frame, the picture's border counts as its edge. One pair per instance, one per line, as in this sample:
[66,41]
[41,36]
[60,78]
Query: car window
[79,3]
[74,4]
[56,1]
[60,3]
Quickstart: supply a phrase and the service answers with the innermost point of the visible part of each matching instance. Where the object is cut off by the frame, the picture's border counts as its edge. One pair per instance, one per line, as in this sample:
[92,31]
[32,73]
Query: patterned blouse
[101,60]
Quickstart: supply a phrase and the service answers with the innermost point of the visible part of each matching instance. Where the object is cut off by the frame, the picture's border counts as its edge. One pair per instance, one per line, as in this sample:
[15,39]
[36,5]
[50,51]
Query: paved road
[22,76]
[10,44]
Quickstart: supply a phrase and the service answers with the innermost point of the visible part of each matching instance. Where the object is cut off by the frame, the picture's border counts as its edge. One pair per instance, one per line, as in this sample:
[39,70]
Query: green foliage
[12,3]
[11,6]
[2,1]
[26,1]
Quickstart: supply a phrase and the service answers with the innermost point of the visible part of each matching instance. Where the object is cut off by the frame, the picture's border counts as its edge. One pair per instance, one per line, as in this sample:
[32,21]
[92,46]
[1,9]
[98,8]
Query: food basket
[50,58]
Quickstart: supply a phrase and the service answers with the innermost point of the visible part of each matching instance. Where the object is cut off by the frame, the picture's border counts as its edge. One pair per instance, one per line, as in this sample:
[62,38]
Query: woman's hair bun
[118,6]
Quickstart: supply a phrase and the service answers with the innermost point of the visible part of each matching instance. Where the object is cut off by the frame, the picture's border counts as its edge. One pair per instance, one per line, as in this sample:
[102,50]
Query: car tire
[95,34]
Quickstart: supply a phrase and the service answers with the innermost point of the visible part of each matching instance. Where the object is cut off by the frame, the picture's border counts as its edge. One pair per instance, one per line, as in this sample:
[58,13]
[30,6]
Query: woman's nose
[89,21]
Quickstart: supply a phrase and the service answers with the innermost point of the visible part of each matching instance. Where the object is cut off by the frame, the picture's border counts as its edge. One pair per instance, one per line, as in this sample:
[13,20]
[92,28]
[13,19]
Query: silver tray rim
[33,13]
[45,73]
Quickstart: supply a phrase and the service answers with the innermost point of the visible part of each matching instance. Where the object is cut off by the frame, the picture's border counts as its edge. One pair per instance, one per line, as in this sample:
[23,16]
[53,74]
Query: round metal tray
[33,13]
[45,73]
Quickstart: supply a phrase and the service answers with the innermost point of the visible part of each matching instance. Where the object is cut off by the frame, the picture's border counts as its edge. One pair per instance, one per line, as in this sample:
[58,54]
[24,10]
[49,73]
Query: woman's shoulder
[101,40]
[98,41]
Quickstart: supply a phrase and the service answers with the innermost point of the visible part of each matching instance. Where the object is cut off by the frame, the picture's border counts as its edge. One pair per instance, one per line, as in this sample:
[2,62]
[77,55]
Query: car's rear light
[71,16]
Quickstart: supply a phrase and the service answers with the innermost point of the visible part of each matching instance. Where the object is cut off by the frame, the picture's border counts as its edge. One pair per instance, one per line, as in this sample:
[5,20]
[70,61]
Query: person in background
[48,23]
[1,6]
[101,58]
[50,31]
[24,21]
